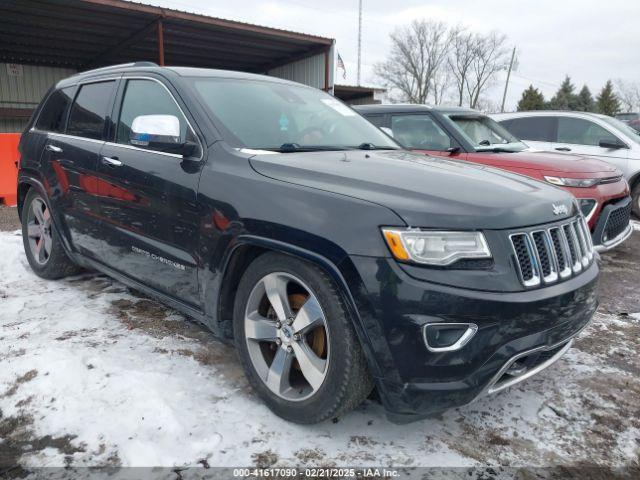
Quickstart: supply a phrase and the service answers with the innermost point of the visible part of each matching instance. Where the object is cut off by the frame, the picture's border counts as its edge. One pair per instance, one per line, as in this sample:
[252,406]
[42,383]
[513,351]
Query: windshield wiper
[371,146]
[295,147]
[496,150]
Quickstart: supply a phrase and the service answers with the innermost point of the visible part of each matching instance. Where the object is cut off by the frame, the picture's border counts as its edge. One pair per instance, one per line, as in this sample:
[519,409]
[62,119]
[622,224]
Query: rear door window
[90,109]
[54,112]
[578,131]
[536,129]
[419,132]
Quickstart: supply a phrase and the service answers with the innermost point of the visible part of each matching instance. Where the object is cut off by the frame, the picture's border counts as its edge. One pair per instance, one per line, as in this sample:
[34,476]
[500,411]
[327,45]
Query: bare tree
[463,49]
[441,84]
[418,52]
[629,94]
[490,57]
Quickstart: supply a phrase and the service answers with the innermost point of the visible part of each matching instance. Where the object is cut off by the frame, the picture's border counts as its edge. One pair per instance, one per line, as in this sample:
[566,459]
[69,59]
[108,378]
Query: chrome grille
[545,256]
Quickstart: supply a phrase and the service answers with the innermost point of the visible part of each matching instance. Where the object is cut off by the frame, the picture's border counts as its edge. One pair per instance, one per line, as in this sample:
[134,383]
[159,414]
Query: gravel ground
[9,220]
[95,374]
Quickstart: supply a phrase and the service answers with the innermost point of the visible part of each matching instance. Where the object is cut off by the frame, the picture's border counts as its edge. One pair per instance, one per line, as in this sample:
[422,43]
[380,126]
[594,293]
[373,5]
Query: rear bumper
[414,382]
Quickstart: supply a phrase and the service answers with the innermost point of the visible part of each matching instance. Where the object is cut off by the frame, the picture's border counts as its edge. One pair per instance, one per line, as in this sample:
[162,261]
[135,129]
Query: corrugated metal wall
[369,100]
[25,90]
[309,71]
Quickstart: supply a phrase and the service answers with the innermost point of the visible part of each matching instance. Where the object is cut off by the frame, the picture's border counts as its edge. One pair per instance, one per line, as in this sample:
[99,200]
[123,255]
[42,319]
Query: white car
[581,133]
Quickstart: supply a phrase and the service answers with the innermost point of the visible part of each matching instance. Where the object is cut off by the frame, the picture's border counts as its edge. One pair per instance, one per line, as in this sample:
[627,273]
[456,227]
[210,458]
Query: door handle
[563,149]
[112,161]
[53,148]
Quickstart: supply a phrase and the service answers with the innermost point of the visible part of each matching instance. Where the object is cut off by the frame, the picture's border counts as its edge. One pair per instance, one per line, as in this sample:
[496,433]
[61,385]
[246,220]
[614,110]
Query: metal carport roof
[83,34]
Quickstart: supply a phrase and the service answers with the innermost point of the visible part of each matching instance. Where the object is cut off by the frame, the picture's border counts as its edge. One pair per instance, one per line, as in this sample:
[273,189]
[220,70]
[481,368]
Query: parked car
[285,222]
[630,118]
[464,134]
[581,133]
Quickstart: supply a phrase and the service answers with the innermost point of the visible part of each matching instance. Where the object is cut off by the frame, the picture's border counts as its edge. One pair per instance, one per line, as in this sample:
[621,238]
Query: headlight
[573,182]
[435,248]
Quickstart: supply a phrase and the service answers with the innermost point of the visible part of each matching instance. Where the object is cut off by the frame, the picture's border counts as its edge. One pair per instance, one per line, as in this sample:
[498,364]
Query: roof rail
[119,66]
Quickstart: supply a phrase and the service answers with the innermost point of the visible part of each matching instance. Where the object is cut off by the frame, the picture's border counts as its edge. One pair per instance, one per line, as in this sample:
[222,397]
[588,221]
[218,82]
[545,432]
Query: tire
[635,199]
[42,244]
[324,373]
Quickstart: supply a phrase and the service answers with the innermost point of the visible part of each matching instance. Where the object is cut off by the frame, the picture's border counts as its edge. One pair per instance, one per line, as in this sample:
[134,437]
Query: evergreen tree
[532,99]
[565,98]
[607,102]
[585,102]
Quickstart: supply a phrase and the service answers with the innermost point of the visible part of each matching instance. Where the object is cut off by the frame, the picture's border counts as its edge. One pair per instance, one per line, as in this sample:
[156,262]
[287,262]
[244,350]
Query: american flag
[341,67]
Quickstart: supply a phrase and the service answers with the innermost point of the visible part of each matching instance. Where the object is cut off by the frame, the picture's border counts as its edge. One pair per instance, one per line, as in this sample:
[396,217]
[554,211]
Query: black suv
[281,219]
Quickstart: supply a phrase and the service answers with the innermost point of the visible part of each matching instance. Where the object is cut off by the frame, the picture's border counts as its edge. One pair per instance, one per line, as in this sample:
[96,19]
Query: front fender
[343,273]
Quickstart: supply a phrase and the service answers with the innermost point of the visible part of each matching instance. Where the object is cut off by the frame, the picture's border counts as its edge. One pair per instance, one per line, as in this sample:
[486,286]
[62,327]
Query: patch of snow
[130,397]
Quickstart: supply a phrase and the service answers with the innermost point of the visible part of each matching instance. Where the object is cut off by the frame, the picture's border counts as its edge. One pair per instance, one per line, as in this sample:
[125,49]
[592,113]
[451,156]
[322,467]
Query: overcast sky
[591,40]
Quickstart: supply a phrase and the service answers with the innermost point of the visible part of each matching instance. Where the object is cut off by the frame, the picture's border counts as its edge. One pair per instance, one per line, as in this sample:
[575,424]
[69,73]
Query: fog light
[448,337]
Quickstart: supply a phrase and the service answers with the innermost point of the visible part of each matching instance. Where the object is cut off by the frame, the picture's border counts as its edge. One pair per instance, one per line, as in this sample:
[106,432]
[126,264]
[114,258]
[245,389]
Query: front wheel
[42,244]
[295,340]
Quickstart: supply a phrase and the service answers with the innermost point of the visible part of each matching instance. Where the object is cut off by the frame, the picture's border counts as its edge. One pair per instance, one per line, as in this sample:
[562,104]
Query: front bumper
[613,226]
[414,382]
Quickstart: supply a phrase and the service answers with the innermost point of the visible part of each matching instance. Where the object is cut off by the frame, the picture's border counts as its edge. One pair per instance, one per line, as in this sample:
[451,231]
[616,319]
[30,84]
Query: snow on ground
[93,373]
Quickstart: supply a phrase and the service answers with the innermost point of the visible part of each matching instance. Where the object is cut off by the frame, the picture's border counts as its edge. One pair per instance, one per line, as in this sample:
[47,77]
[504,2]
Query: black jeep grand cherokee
[283,220]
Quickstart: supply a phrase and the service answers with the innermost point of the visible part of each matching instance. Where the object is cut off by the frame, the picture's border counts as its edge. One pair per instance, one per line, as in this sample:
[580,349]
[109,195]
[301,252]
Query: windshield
[485,133]
[267,115]
[623,127]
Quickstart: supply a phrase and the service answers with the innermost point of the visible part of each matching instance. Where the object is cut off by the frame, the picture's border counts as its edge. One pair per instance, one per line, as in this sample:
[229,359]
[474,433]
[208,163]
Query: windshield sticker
[284,123]
[338,107]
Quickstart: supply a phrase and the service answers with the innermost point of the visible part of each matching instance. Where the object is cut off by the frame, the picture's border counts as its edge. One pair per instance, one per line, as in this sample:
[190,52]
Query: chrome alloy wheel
[39,231]
[287,336]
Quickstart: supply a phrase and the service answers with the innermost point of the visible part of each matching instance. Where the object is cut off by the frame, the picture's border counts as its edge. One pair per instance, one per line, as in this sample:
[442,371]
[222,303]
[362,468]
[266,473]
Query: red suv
[464,134]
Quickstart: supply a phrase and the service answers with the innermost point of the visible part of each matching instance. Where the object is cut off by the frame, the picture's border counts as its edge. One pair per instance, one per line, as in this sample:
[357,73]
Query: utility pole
[359,39]
[506,85]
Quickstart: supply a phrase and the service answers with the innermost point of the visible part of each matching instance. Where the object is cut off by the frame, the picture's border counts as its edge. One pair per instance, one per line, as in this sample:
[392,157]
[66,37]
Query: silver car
[581,133]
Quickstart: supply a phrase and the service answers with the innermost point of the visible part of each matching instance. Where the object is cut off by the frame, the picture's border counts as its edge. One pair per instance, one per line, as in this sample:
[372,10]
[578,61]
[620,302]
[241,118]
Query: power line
[550,84]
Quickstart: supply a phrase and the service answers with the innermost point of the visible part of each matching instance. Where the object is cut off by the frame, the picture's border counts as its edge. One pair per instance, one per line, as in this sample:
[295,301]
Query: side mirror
[387,130]
[454,150]
[611,144]
[161,133]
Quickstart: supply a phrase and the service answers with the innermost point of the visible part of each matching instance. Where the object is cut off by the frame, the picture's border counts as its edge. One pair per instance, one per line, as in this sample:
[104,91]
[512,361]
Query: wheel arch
[247,249]
[25,183]
[634,180]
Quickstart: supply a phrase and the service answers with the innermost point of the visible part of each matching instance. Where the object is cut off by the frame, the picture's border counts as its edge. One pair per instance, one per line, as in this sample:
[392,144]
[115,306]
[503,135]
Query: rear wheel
[295,341]
[635,199]
[42,244]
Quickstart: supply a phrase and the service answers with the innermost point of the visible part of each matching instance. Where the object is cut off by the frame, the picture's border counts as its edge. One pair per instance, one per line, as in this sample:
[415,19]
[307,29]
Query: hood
[551,162]
[424,191]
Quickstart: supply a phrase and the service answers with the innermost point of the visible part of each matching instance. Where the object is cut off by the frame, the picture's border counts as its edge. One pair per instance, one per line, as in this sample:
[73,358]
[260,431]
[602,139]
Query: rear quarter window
[54,112]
